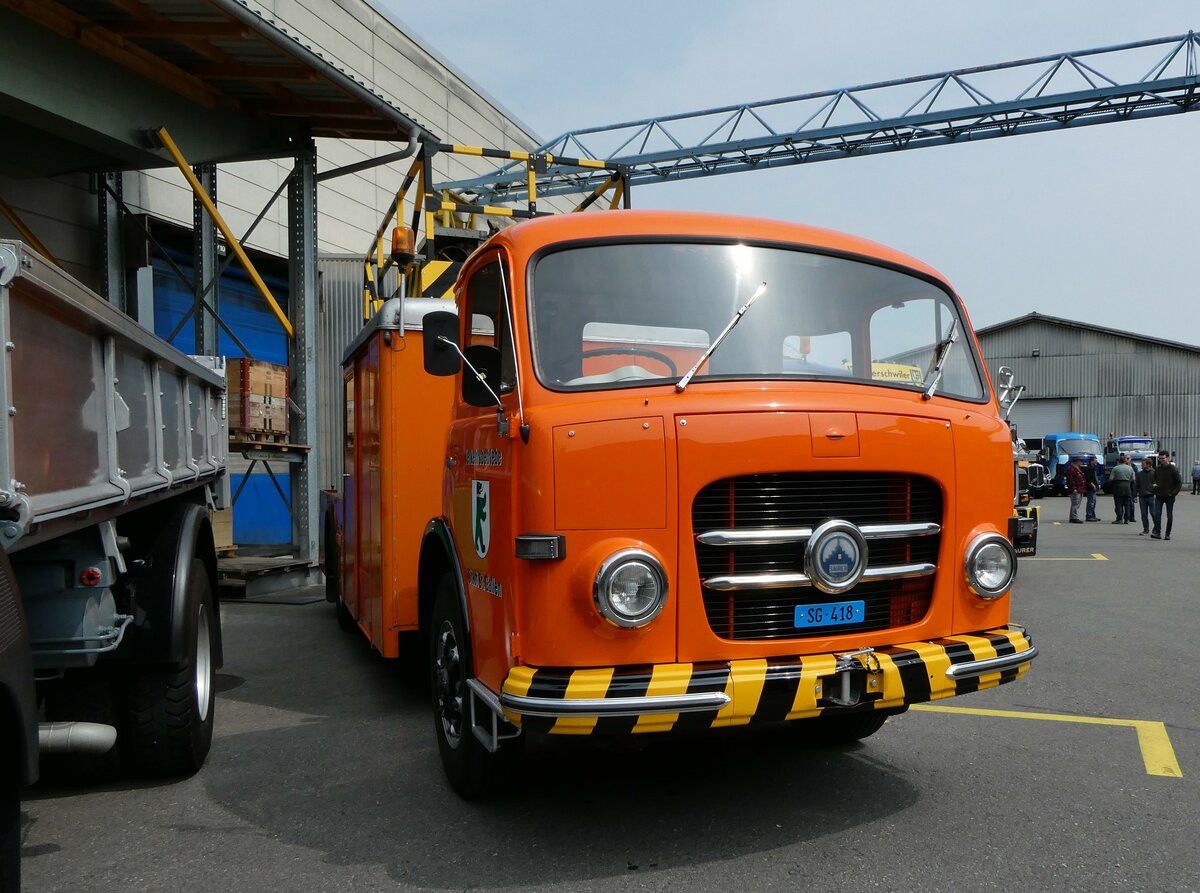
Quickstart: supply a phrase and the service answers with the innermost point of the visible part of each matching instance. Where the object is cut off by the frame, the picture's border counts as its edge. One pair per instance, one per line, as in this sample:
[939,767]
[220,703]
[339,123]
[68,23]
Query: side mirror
[440,358]
[487,360]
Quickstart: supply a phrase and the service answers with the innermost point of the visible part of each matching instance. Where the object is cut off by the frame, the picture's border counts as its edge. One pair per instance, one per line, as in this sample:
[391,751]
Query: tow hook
[851,680]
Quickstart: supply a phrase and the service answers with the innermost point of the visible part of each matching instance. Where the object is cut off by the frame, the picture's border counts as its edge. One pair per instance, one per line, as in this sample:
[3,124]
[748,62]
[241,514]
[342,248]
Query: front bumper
[664,697]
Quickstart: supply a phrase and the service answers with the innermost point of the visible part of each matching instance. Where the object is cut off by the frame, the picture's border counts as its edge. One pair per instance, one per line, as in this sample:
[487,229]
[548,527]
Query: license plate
[830,614]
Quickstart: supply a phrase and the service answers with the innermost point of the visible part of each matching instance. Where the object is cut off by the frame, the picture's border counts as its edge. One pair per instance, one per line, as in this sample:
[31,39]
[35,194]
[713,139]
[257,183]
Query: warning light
[403,245]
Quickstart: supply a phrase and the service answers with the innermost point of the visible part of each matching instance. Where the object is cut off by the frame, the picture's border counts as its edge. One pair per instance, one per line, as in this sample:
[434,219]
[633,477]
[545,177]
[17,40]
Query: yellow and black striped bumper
[663,697]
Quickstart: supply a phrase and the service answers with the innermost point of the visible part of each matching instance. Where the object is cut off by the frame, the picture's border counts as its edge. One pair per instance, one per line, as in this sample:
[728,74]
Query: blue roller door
[260,517]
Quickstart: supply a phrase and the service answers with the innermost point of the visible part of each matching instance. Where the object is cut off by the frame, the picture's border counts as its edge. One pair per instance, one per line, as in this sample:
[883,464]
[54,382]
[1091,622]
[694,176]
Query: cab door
[481,463]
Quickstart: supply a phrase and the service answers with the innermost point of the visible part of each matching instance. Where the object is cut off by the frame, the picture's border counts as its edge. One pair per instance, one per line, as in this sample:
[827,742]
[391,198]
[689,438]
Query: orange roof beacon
[653,471]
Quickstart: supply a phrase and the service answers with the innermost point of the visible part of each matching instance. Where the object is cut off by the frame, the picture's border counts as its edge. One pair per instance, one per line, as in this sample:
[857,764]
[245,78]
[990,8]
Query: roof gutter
[240,12]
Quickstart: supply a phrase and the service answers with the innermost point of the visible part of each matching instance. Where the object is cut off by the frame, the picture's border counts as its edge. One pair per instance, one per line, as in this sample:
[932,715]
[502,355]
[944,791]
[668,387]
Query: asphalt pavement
[324,772]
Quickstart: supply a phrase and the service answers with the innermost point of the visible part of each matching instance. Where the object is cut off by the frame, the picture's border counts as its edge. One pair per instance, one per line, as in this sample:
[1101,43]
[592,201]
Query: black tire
[10,821]
[346,621]
[333,563]
[471,769]
[844,729]
[169,709]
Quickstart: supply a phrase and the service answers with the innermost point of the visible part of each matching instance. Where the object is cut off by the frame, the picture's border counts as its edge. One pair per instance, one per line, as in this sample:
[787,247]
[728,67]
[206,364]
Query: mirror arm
[479,375]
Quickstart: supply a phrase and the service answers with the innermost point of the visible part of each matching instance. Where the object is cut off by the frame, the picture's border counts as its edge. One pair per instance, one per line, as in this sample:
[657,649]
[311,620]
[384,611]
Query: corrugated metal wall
[339,319]
[1119,384]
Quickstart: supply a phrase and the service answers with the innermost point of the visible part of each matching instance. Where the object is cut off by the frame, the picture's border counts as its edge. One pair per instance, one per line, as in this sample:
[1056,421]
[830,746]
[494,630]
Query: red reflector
[90,577]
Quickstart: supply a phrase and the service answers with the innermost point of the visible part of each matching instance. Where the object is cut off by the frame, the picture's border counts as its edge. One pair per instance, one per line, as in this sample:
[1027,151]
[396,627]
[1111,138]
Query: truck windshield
[1126,444]
[634,314]
[1078,446]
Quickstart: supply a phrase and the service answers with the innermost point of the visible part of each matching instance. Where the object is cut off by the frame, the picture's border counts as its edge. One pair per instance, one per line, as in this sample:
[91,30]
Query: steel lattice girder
[1096,86]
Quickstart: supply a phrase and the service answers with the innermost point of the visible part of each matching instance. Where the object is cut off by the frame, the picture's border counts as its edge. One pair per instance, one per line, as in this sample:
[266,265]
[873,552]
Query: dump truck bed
[99,415]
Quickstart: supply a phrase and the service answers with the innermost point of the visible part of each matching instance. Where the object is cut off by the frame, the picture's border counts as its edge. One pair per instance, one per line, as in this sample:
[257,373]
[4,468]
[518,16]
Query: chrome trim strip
[685,703]
[784,581]
[991,664]
[900,571]
[900,531]
[768,536]
[755,581]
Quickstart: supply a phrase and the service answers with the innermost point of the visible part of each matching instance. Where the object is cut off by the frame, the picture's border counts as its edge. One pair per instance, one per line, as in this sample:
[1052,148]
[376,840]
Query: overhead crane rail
[1055,92]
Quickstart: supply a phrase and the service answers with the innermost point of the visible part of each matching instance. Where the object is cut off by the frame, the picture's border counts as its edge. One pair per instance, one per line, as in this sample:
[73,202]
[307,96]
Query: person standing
[1196,478]
[1122,490]
[1167,484]
[1144,485]
[1076,487]
[1091,474]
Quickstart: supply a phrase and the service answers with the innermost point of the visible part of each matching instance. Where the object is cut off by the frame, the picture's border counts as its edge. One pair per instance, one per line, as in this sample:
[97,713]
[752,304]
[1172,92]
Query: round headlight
[630,588]
[991,565]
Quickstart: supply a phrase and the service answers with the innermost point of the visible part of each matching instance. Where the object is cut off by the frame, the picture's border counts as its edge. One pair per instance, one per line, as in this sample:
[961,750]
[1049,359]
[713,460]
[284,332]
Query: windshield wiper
[934,375]
[737,318]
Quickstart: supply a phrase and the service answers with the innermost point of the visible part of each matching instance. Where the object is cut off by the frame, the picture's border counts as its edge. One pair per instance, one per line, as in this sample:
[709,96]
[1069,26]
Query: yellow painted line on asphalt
[1095,556]
[1155,743]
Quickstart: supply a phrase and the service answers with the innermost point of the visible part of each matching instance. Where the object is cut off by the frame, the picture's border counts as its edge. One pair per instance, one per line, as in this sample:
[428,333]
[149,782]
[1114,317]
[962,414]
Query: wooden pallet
[253,435]
[239,443]
[245,568]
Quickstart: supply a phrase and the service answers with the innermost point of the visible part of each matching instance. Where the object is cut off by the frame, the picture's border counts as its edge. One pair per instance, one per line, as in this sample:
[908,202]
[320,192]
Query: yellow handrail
[25,232]
[210,206]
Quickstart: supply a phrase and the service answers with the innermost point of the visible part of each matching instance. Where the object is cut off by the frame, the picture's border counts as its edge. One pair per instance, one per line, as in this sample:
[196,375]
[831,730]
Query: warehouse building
[285,113]
[1096,380]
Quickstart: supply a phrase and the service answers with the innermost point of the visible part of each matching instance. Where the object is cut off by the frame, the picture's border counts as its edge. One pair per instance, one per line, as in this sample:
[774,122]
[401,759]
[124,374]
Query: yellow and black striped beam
[767,690]
[437,278]
[434,205]
[541,160]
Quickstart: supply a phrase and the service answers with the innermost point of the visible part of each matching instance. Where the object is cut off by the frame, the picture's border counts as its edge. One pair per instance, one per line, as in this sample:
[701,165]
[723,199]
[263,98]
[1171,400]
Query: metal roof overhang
[83,82]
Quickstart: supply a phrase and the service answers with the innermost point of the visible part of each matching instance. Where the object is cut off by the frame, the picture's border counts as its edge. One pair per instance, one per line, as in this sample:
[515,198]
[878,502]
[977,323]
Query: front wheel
[169,709]
[844,729]
[472,770]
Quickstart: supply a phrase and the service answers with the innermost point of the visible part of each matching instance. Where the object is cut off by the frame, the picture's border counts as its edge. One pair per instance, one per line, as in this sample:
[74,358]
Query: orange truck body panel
[614,468]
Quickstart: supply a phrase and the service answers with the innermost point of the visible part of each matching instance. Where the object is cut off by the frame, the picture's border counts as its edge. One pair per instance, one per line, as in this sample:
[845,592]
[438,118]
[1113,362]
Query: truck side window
[485,299]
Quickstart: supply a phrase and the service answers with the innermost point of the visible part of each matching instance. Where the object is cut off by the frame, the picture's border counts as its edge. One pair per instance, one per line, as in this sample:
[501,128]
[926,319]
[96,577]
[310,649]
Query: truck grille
[750,536]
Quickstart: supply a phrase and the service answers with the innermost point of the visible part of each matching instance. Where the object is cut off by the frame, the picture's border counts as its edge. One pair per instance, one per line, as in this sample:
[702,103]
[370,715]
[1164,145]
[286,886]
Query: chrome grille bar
[772,536]
[737,582]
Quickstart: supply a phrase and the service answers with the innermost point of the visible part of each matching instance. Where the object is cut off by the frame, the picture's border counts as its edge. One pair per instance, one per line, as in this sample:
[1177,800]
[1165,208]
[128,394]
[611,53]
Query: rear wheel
[333,563]
[169,709]
[473,771]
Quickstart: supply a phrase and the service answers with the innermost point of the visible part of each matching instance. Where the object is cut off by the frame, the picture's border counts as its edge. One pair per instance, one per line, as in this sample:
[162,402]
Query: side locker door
[482,481]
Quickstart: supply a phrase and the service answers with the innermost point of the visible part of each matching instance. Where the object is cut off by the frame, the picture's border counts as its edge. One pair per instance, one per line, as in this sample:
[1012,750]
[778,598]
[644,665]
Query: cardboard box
[258,397]
[222,526]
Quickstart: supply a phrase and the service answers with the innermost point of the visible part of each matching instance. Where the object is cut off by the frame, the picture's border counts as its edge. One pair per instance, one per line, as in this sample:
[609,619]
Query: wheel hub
[449,685]
[203,666]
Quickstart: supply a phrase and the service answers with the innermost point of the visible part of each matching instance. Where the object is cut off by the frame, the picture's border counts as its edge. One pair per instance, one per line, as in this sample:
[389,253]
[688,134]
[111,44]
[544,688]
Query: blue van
[1057,452]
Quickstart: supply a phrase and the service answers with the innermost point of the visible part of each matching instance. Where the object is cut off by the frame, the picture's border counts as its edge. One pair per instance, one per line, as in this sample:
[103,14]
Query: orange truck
[653,471]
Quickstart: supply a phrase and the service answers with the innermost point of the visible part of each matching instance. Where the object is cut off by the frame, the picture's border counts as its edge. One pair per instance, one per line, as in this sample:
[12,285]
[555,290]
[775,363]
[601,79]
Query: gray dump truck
[113,449]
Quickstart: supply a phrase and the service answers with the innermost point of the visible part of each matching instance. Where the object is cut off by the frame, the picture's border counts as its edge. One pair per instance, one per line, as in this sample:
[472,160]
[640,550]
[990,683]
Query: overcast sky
[1097,224]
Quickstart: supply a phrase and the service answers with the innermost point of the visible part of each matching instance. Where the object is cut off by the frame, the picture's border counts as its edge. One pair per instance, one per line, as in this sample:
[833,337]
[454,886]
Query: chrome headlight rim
[608,568]
[973,550]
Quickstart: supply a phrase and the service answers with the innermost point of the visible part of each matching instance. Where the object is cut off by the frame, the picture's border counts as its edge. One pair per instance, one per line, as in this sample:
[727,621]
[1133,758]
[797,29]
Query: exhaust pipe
[75,737]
